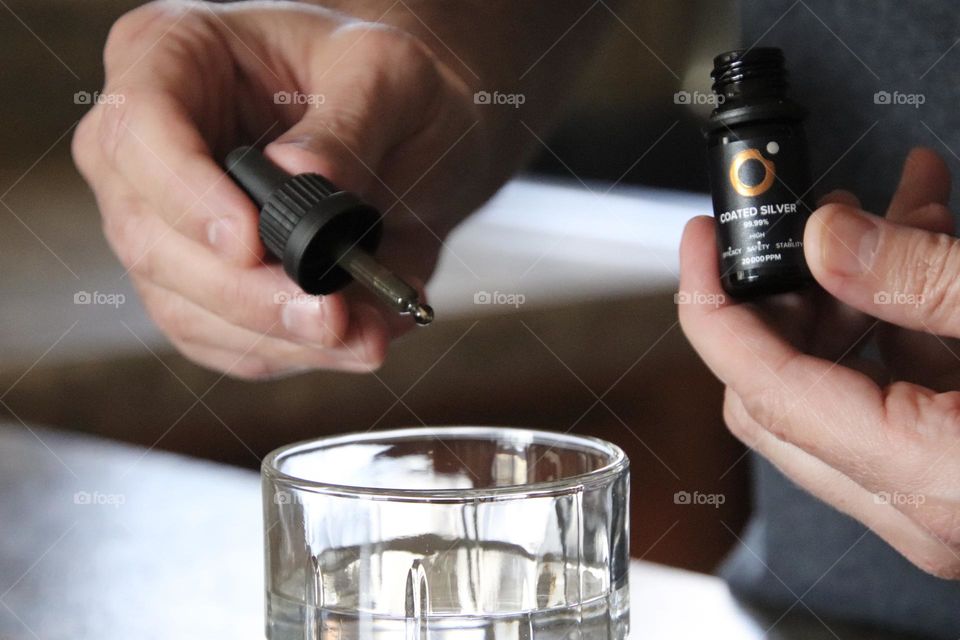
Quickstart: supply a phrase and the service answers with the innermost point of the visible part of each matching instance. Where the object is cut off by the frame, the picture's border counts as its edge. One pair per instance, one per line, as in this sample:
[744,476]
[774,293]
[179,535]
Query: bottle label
[759,188]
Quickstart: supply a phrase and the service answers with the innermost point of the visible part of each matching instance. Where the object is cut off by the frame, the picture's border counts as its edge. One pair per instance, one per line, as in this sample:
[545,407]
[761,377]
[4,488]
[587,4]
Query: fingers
[840,196]
[699,280]
[713,322]
[793,395]
[900,524]
[920,202]
[829,427]
[903,269]
[196,79]
[365,111]
[925,180]
[260,299]
[293,344]
[837,328]
[906,276]
[211,341]
[150,142]
[151,135]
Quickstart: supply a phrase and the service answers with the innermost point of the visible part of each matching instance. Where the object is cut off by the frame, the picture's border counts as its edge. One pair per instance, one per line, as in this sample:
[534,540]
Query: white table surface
[175,553]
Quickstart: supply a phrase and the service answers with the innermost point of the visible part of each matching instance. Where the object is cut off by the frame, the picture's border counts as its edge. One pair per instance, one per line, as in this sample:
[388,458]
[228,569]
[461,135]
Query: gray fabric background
[840,54]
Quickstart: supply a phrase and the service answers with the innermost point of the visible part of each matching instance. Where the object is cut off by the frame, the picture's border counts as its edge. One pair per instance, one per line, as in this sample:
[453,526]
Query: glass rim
[616,462]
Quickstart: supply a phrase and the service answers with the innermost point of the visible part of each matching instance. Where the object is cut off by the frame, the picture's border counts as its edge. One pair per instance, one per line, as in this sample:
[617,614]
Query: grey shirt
[859,66]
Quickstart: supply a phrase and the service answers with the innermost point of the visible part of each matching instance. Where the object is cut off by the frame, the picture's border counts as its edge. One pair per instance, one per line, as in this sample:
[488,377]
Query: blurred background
[594,347]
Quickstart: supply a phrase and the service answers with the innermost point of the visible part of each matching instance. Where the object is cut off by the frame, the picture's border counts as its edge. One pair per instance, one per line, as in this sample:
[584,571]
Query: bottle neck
[750,77]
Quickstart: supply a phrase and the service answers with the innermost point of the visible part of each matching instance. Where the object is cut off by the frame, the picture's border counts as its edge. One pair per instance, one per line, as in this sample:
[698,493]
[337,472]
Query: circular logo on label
[769,173]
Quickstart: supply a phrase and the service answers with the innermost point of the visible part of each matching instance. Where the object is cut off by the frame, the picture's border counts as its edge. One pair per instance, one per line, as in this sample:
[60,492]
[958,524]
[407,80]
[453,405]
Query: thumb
[903,275]
[346,149]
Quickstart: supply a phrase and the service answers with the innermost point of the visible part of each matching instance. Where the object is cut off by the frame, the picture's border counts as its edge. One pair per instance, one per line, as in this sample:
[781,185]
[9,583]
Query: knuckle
[911,420]
[740,430]
[946,414]
[129,29]
[937,562]
[901,407]
[179,205]
[115,233]
[383,39]
[392,56]
[410,52]
[733,416]
[949,570]
[84,144]
[171,318]
[114,123]
[931,273]
[124,30]
[124,234]
[942,521]
[244,306]
[770,410]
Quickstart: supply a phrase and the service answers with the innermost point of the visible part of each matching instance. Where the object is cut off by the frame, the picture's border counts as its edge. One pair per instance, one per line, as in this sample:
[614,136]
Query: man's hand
[879,441]
[366,105]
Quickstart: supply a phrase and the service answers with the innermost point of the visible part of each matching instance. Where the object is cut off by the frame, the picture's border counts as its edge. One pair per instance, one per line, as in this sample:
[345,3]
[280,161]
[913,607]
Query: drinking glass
[452,533]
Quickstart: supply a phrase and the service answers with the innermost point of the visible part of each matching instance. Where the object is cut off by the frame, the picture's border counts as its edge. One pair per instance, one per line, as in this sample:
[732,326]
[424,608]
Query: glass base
[602,618]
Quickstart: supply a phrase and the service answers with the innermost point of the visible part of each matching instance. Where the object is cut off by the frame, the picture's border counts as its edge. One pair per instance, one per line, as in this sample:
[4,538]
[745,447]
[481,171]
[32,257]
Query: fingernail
[848,241]
[221,233]
[302,317]
[839,196]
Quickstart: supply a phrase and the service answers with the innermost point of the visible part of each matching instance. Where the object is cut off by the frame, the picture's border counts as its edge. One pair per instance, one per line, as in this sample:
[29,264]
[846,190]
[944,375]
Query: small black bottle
[759,175]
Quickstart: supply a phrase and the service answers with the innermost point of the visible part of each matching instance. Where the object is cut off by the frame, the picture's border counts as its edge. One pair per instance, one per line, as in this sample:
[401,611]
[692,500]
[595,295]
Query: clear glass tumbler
[454,533]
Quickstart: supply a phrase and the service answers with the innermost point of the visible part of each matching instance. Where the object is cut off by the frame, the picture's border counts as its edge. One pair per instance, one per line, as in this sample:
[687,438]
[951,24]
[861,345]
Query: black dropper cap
[323,235]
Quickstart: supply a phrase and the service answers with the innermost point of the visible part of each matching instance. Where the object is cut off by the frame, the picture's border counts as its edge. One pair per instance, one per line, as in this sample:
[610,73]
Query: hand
[366,105]
[878,440]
